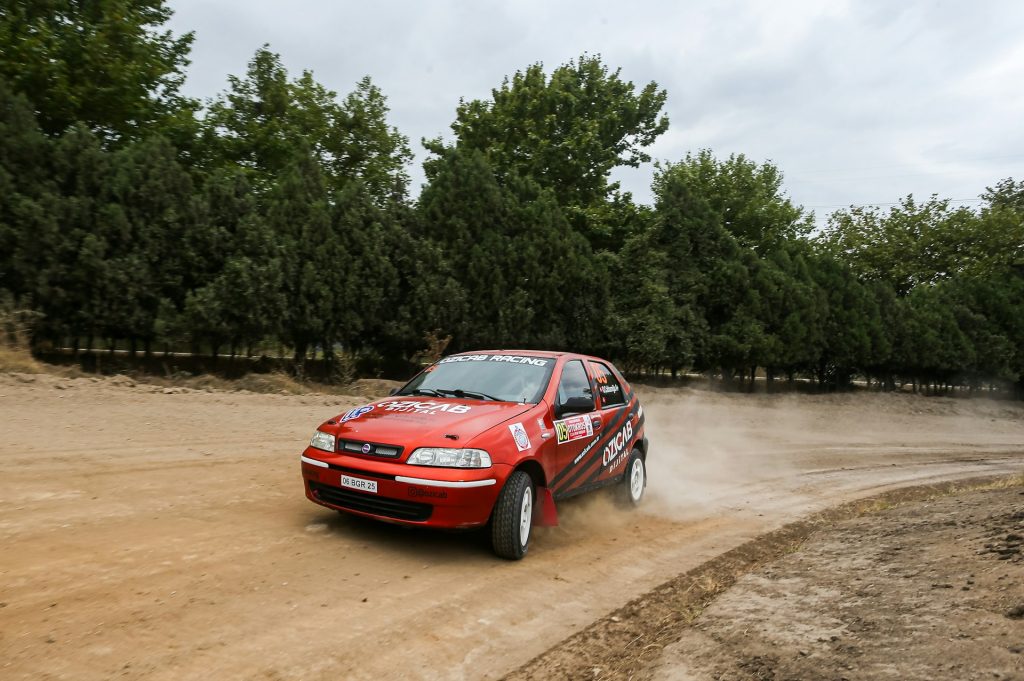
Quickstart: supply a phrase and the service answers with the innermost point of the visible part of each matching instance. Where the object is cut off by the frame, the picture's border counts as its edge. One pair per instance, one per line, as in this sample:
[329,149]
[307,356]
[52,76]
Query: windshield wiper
[475,395]
[427,391]
[455,392]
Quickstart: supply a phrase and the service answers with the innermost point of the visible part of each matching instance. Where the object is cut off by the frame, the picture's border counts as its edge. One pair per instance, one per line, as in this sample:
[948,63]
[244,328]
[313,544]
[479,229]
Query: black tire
[508,536]
[632,490]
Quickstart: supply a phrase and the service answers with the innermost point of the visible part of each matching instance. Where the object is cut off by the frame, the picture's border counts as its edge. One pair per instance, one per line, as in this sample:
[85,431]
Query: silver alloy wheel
[526,517]
[636,479]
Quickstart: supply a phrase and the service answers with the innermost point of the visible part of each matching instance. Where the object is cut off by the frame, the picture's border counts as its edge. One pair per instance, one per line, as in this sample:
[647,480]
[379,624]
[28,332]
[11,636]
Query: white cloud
[859,101]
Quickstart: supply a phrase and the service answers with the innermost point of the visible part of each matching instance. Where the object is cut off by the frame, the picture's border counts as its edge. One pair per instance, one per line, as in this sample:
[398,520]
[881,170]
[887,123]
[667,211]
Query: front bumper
[451,498]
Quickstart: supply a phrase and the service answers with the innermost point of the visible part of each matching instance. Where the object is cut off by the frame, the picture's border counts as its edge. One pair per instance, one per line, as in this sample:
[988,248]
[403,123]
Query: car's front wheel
[512,519]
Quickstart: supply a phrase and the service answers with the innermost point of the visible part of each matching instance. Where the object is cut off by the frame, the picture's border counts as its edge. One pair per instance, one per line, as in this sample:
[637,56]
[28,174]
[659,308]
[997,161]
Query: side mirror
[575,405]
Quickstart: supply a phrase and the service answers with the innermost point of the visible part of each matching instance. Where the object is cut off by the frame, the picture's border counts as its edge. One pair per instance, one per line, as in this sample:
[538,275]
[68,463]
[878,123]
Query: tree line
[279,214]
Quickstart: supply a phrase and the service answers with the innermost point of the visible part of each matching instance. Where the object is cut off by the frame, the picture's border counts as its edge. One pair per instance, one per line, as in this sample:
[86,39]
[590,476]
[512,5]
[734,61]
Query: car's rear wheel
[634,480]
[512,519]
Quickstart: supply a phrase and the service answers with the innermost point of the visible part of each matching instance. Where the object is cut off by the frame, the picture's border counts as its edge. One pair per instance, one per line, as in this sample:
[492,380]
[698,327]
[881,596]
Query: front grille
[371,503]
[373,449]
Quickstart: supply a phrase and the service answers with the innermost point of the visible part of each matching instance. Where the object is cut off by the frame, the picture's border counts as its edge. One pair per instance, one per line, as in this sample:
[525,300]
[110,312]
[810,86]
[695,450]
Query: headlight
[450,458]
[322,440]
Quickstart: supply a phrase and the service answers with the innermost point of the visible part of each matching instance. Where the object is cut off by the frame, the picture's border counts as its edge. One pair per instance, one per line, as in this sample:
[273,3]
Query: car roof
[513,351]
[528,353]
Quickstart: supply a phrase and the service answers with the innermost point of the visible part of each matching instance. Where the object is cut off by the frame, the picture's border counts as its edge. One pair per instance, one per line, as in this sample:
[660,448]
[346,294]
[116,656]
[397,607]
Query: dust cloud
[704,448]
[711,451]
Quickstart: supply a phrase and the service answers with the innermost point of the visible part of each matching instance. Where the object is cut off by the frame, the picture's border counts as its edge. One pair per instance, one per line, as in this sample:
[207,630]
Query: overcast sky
[856,102]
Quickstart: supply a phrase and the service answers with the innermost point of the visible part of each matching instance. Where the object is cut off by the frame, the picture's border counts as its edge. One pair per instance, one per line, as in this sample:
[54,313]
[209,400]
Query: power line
[880,203]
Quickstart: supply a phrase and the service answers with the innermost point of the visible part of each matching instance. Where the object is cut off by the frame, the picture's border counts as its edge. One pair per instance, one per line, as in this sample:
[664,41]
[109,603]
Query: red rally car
[490,437]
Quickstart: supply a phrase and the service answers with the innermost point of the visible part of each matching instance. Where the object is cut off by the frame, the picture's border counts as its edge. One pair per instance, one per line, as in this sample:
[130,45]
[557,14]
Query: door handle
[596,422]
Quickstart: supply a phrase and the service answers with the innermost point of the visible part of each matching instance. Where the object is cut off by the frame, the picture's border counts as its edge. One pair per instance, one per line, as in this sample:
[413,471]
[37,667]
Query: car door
[615,419]
[576,433]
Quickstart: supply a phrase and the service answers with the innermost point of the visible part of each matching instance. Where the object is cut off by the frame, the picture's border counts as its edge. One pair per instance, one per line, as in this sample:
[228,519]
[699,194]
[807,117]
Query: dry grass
[899,498]
[15,329]
[257,383]
[1003,483]
[15,360]
[277,383]
[918,494]
[870,506]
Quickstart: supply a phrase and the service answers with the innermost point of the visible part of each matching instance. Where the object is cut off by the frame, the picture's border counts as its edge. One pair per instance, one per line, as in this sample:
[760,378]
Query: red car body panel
[567,456]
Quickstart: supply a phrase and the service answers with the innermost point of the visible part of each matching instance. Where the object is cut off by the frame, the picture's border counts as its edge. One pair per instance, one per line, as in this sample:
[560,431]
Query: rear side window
[608,387]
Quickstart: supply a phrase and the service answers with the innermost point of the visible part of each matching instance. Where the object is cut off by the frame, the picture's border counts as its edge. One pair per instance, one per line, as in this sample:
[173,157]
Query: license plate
[359,484]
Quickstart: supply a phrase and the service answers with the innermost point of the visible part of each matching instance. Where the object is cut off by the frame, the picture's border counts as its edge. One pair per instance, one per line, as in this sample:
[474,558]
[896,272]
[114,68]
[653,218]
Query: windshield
[505,378]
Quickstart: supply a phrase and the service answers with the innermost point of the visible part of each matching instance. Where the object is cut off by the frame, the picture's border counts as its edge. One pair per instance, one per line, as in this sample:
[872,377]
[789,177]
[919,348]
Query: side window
[574,382]
[608,387]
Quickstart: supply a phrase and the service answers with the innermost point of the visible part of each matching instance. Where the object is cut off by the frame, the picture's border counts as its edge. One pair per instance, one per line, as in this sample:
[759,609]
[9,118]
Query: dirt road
[165,536]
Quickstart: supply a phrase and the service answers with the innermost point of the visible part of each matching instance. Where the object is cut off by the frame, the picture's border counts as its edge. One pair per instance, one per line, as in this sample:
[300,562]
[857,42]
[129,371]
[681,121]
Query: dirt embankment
[162,533]
[872,589]
[926,592]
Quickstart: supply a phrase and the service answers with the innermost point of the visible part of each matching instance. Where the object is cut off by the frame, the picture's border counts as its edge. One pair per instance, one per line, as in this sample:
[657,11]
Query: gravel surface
[161,532]
[923,591]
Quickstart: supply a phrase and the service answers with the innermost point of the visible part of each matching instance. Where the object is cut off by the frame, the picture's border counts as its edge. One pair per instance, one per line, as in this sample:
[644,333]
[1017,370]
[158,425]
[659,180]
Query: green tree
[73,274]
[526,277]
[466,214]
[562,297]
[683,243]
[107,64]
[746,198]
[298,213]
[1007,194]
[989,310]
[566,131]
[28,223]
[793,309]
[236,283]
[644,315]
[361,314]
[923,243]
[149,210]
[264,116]
[997,243]
[851,337]
[930,346]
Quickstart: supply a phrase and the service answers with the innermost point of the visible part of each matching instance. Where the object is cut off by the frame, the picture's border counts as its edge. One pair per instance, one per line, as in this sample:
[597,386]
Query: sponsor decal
[586,450]
[419,492]
[356,413]
[464,358]
[513,359]
[573,428]
[617,446]
[415,407]
[522,440]
[606,389]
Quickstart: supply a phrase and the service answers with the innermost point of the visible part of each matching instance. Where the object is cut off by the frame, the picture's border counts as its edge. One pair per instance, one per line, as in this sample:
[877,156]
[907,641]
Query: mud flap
[544,513]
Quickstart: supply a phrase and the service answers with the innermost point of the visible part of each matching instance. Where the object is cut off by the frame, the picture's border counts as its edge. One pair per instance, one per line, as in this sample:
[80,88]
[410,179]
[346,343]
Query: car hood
[423,421]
